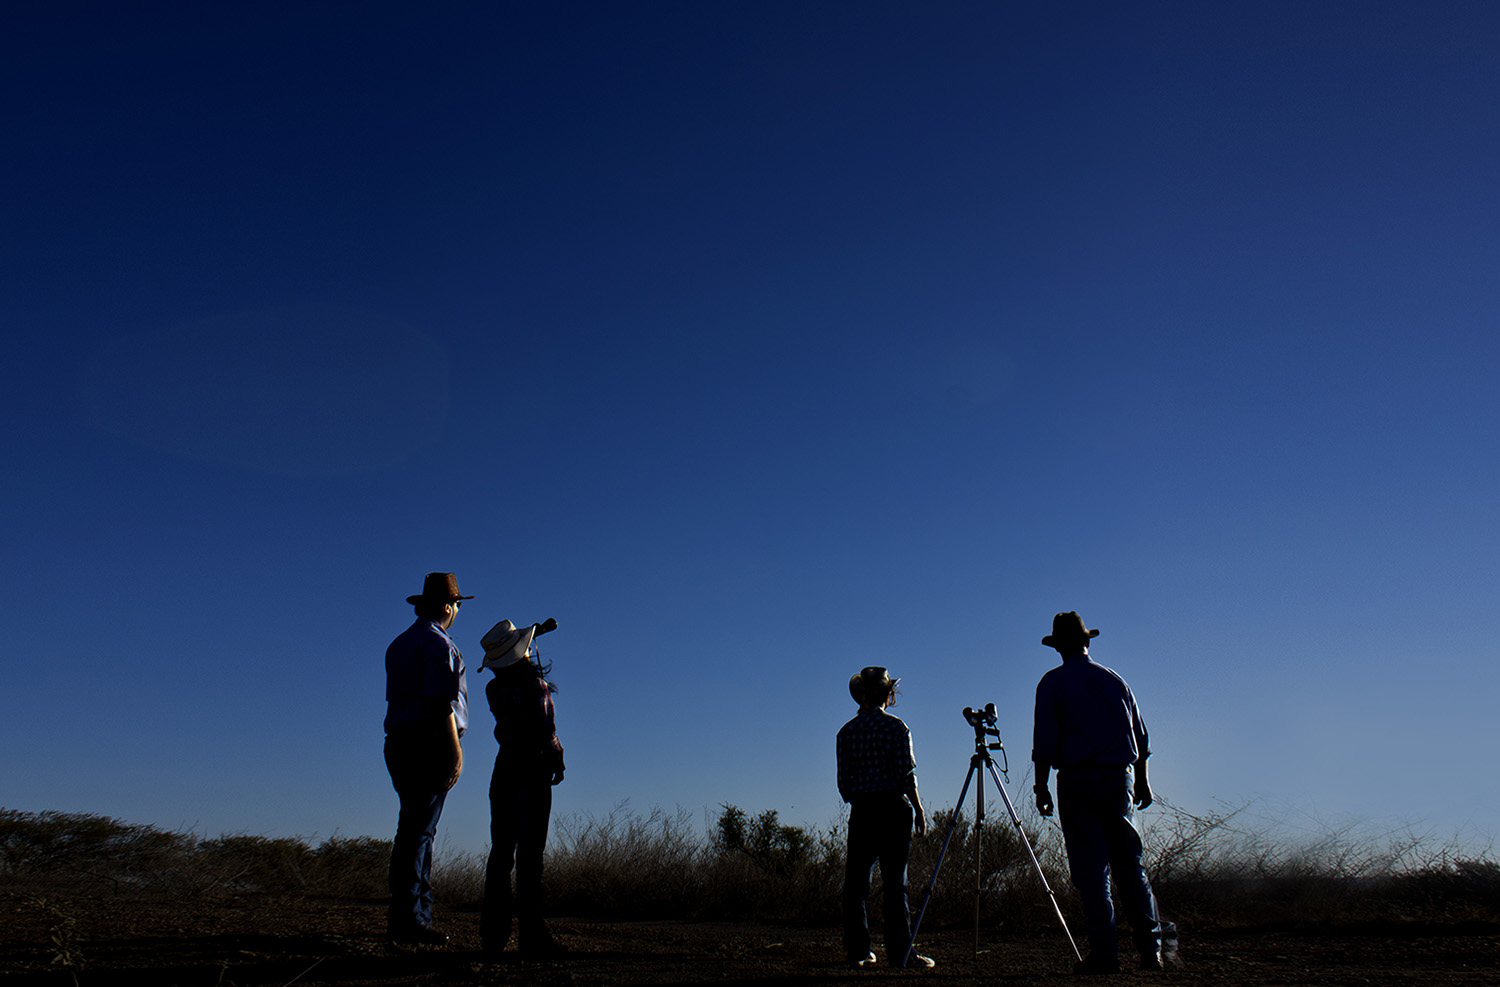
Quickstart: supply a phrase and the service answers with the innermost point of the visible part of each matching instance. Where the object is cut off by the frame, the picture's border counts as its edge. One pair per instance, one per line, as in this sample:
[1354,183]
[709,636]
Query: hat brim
[418,598]
[857,683]
[510,650]
[1051,640]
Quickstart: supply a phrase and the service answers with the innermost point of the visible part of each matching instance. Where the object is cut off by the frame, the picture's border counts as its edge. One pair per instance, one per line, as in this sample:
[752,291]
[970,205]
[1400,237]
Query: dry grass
[1219,870]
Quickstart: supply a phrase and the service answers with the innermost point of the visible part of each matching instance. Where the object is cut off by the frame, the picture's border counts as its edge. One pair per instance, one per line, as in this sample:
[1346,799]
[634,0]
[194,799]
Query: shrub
[356,865]
[1210,870]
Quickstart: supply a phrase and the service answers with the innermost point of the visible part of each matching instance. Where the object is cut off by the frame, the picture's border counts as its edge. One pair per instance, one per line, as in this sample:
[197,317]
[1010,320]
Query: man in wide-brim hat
[427,711]
[1089,729]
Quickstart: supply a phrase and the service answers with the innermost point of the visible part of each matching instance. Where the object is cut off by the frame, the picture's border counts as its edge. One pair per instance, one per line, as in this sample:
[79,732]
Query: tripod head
[983,722]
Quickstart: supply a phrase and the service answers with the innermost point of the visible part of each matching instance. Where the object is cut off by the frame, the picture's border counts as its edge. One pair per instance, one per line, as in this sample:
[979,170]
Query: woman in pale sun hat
[528,764]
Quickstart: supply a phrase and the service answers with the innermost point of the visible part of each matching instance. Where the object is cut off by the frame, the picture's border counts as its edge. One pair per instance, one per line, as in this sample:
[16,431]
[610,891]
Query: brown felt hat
[439,587]
[1068,627]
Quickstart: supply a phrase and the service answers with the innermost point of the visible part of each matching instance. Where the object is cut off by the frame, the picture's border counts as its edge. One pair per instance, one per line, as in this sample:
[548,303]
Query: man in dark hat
[427,711]
[1089,729]
[878,778]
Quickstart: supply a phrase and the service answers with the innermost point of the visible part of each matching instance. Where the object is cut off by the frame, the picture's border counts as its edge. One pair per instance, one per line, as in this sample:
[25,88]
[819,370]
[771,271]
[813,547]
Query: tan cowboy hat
[1068,627]
[505,644]
[439,587]
[872,677]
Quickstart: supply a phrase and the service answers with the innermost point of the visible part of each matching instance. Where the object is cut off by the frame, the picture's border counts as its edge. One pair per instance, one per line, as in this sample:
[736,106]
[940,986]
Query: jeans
[520,809]
[409,757]
[1098,823]
[879,829]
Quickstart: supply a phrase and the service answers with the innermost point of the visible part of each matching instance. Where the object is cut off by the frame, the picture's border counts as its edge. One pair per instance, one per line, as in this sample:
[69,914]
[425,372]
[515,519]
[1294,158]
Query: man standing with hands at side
[1088,727]
[877,776]
[427,711]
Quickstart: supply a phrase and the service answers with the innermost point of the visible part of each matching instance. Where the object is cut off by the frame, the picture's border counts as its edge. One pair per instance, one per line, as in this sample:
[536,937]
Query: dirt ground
[311,942]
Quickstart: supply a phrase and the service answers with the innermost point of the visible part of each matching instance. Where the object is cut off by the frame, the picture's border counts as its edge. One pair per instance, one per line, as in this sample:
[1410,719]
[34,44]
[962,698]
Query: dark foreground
[310,942]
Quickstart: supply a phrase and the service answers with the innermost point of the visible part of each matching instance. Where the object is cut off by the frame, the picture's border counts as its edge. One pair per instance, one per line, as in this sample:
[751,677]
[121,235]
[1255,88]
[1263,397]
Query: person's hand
[1043,800]
[547,626]
[921,824]
[1143,796]
[458,769]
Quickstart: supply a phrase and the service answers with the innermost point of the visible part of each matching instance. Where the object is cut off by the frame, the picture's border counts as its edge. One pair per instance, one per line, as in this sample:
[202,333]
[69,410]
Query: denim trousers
[879,829]
[1104,856]
[520,810]
[409,757]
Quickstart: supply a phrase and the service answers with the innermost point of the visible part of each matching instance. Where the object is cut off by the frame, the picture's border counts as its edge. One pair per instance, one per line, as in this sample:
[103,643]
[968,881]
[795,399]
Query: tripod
[983,722]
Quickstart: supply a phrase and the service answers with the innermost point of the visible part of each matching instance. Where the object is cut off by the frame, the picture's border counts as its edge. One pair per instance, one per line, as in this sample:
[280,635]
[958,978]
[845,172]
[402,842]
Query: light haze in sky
[755,343]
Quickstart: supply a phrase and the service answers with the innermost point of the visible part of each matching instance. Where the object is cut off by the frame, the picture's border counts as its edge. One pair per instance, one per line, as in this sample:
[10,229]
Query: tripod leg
[932,882]
[978,855]
[1034,862]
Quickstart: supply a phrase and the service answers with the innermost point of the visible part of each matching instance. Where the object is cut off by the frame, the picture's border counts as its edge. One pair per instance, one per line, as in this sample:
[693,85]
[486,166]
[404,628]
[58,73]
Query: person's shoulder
[413,633]
[1101,669]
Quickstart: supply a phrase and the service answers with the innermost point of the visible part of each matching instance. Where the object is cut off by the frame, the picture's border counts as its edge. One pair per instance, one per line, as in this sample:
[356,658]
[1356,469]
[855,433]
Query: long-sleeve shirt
[1085,713]
[525,723]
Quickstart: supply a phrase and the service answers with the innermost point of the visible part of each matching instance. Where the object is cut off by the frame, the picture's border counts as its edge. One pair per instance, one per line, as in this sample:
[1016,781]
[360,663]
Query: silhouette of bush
[355,866]
[83,849]
[1214,870]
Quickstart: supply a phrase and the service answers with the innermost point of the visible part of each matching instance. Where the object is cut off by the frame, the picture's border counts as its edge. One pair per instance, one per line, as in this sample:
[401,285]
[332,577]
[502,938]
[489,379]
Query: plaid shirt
[875,754]
[522,703]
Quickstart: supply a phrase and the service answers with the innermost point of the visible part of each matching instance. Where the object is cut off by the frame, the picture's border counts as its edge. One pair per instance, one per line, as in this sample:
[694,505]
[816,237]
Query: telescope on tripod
[983,721]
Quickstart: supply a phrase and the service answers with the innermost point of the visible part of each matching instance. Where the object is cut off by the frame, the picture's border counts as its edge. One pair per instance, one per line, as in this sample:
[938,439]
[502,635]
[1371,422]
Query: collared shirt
[874,754]
[423,662]
[1086,713]
[525,723]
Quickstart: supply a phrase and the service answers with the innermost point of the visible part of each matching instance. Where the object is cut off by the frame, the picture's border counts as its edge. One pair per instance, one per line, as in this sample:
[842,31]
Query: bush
[1211,870]
[86,850]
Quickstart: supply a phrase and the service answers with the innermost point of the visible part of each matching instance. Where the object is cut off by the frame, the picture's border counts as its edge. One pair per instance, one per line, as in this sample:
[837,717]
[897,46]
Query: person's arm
[1143,796]
[450,766]
[1043,743]
[1142,741]
[1043,793]
[920,824]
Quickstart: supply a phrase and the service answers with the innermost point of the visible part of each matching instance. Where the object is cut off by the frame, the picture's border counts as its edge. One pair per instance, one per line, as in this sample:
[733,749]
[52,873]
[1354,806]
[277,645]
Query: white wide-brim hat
[505,644]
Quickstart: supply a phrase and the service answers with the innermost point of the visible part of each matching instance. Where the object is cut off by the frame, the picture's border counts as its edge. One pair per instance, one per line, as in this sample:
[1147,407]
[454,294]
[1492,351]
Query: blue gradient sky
[755,343]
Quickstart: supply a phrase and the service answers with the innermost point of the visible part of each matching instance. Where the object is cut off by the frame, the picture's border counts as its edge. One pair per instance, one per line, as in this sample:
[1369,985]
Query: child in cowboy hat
[877,777]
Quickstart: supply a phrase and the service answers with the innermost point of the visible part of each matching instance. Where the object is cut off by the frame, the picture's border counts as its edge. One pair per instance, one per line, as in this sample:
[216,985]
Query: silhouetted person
[878,778]
[427,711]
[528,764]
[1088,728]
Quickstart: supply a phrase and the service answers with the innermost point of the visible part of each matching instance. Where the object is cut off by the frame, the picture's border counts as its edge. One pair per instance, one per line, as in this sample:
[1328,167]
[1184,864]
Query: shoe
[916,961]
[416,934]
[1097,963]
[869,959]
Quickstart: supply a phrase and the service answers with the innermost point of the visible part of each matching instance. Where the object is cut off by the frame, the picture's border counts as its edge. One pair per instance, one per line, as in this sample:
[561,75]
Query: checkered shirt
[875,754]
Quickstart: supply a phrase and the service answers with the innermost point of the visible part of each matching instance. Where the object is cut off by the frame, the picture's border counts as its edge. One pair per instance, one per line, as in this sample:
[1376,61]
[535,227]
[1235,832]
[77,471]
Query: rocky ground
[103,940]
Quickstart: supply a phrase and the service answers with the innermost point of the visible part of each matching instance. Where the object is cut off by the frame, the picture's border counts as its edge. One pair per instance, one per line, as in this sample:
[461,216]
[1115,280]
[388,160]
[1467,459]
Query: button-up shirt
[525,723]
[1085,713]
[874,754]
[422,663]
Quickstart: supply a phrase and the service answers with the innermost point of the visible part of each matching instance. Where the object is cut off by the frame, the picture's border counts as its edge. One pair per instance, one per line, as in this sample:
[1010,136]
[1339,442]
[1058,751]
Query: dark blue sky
[756,343]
